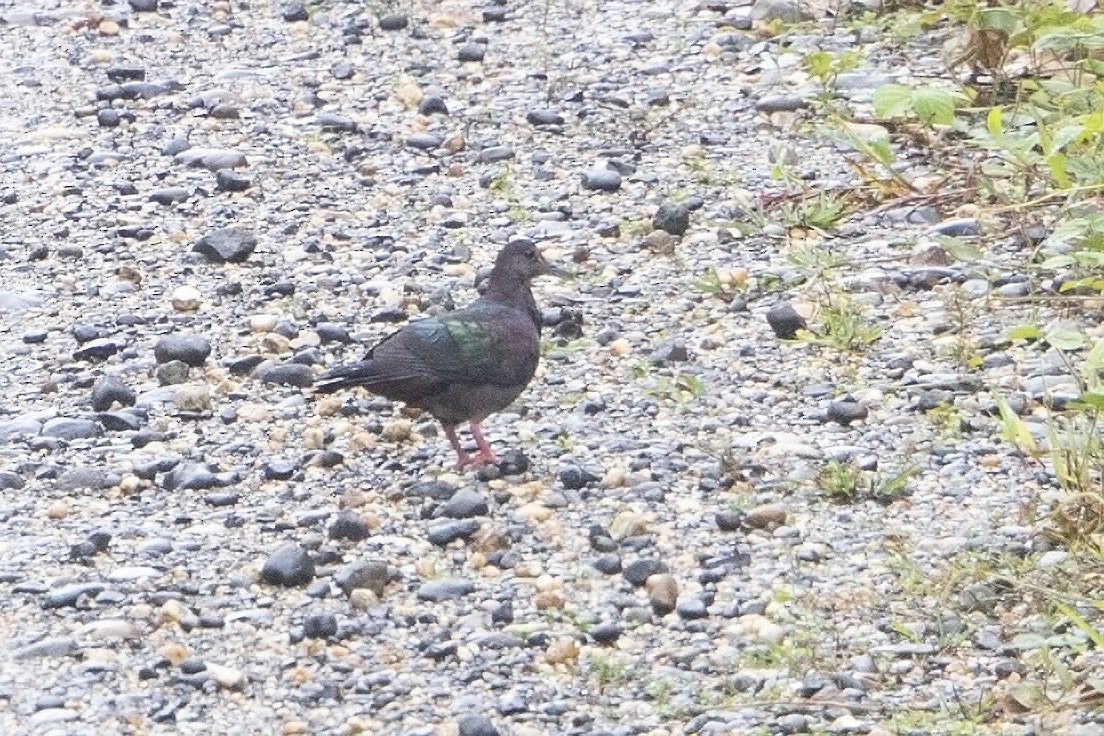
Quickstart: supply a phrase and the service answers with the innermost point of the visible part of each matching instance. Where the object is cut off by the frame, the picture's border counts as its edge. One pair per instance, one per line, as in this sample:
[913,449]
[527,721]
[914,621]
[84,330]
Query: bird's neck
[514,294]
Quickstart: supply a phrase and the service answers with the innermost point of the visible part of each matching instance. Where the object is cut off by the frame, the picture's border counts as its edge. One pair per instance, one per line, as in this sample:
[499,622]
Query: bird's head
[521,259]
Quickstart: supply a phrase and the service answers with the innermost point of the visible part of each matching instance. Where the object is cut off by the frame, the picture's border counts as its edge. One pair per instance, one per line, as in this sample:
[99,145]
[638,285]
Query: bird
[464,365]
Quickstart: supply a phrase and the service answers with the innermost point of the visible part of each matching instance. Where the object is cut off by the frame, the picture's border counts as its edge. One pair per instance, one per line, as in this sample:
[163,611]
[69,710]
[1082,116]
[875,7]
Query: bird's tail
[345,376]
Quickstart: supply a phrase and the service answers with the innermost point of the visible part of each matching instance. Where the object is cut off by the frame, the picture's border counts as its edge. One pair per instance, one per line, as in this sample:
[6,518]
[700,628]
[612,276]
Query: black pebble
[785,321]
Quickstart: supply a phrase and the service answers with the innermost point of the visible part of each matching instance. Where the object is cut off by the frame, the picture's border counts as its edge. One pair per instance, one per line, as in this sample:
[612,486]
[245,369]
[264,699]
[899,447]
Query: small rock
[226,245]
[349,525]
[445,590]
[662,592]
[367,574]
[769,516]
[295,11]
[785,321]
[603,180]
[189,349]
[476,725]
[193,397]
[464,504]
[672,218]
[289,566]
[846,411]
[109,390]
[288,374]
[471,52]
[393,22]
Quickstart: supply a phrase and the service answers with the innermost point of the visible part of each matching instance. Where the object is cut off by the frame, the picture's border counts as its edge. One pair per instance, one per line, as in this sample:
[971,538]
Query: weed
[821,212]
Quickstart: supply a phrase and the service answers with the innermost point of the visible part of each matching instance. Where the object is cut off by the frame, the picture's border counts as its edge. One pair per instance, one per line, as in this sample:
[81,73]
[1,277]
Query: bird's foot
[476,460]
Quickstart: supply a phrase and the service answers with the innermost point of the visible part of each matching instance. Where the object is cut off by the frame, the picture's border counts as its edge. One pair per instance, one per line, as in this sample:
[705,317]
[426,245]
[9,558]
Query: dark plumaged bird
[464,365]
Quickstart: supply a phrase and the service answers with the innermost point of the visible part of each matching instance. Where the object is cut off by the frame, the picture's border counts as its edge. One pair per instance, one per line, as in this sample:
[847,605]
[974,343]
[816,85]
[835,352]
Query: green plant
[606,669]
[822,212]
[826,67]
[845,482]
[842,326]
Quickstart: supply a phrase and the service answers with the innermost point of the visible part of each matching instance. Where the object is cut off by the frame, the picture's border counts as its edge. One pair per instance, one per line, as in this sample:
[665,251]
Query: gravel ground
[204,205]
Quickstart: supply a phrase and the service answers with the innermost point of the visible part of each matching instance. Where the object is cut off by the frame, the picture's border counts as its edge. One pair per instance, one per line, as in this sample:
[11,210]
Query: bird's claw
[476,461]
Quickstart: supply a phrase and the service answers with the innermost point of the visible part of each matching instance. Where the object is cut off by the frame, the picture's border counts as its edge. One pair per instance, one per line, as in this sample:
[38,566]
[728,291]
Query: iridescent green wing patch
[475,341]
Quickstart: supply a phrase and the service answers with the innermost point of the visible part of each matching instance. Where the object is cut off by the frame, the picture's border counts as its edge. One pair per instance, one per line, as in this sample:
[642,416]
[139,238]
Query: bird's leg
[486,455]
[463,459]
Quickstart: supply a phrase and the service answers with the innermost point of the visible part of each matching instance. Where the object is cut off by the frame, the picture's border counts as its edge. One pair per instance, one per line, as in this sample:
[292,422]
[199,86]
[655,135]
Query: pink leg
[486,455]
[463,459]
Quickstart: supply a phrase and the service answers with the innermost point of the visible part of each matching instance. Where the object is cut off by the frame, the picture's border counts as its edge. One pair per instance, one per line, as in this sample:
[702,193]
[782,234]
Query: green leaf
[892,100]
[1066,340]
[1025,332]
[1056,262]
[1057,164]
[1094,635]
[1091,400]
[994,124]
[998,19]
[960,249]
[933,106]
[1014,429]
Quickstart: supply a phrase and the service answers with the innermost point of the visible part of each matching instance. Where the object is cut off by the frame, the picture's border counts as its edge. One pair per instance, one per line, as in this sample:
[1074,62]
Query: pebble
[192,350]
[785,321]
[226,245]
[289,566]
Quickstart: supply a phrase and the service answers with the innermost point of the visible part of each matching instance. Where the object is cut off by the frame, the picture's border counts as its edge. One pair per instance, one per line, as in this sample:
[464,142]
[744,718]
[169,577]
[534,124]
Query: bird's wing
[483,344]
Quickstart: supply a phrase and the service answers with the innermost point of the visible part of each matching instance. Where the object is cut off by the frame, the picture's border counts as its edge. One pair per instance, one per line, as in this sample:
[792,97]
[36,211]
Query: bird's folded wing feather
[496,347]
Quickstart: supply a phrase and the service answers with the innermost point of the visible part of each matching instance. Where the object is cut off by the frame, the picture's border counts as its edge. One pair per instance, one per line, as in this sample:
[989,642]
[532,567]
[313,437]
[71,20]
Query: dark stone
[119,421]
[445,590]
[780,103]
[333,121]
[226,245]
[393,22]
[432,105]
[544,117]
[476,725]
[368,574]
[342,70]
[192,350]
[169,195]
[846,411]
[349,525]
[471,52]
[107,390]
[464,504]
[573,477]
[295,11]
[607,632]
[100,349]
[68,595]
[10,481]
[289,374]
[65,428]
[425,141]
[671,217]
[320,626]
[785,321]
[332,332]
[729,521]
[692,608]
[449,531]
[603,180]
[289,566]
[228,180]
[280,469]
[608,564]
[637,571]
[143,6]
[108,117]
